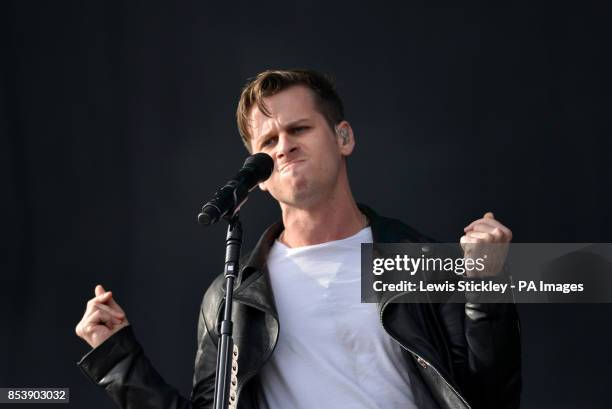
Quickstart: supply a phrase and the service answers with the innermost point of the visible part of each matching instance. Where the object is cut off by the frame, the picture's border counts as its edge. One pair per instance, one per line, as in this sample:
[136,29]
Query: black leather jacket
[458,355]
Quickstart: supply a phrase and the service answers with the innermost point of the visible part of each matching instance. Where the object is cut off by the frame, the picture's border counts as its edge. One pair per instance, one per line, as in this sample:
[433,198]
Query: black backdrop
[117,122]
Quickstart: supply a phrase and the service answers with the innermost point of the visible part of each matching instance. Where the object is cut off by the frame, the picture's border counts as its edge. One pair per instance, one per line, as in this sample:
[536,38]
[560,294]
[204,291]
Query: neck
[334,218]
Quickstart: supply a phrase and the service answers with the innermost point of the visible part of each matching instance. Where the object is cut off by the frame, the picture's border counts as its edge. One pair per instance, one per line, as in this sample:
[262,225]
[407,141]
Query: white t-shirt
[332,351]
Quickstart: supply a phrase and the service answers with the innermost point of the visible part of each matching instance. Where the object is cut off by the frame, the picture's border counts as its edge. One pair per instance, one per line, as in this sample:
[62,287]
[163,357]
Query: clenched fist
[103,317]
[486,239]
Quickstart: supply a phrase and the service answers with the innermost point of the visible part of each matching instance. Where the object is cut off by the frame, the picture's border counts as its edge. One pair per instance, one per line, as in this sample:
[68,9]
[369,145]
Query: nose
[286,146]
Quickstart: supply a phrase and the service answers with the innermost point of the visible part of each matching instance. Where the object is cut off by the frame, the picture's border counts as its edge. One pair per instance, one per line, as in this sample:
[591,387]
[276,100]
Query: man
[303,338]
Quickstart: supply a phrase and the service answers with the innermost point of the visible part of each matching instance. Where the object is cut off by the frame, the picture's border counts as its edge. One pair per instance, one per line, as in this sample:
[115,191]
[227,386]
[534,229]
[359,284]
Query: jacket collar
[253,285]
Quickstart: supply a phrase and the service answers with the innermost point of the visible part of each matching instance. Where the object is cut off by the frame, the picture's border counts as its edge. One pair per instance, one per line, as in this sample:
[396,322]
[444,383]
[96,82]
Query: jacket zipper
[420,359]
[248,376]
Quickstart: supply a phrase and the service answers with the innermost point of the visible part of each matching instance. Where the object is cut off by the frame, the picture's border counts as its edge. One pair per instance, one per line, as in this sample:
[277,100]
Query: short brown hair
[271,82]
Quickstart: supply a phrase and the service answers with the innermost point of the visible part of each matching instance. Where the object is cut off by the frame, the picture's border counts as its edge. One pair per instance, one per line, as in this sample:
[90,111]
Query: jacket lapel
[253,286]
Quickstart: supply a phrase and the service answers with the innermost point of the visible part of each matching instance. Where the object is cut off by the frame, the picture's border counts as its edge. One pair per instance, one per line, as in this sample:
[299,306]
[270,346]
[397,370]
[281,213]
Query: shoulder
[390,230]
[212,301]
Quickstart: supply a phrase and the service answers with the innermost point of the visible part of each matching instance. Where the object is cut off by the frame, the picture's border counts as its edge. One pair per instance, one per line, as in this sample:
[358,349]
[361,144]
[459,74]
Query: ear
[262,187]
[345,138]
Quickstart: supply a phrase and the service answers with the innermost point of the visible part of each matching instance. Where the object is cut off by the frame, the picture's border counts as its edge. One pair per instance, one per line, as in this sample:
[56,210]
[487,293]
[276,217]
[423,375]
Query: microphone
[256,169]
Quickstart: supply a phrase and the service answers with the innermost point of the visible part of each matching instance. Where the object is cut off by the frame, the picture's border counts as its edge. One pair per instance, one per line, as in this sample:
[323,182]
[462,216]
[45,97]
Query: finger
[471,225]
[483,227]
[102,298]
[466,241]
[108,319]
[100,317]
[485,220]
[91,308]
[491,222]
[484,237]
[496,232]
[118,314]
[104,318]
[113,304]
[99,290]
[507,233]
[488,215]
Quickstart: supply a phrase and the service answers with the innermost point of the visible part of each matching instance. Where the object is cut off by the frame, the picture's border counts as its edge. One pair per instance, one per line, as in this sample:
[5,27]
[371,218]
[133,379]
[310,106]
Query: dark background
[117,123]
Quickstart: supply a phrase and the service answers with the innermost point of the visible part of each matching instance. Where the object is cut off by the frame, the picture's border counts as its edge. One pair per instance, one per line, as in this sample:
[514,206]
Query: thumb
[489,215]
[99,290]
[113,304]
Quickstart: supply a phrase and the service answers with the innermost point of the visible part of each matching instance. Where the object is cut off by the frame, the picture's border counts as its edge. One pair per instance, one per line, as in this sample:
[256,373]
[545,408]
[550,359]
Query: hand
[486,237]
[103,317]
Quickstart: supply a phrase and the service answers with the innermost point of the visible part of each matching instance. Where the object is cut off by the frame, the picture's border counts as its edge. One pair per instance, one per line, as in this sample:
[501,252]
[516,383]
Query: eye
[268,142]
[298,129]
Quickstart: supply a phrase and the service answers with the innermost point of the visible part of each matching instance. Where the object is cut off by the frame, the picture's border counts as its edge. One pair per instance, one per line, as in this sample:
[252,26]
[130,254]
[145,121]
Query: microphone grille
[261,164]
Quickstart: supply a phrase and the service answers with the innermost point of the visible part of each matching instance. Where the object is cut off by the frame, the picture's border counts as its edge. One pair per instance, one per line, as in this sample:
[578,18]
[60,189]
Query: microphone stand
[233,242]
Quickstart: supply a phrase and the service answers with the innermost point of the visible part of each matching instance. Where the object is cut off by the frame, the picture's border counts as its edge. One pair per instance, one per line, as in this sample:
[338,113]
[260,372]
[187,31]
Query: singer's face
[307,153]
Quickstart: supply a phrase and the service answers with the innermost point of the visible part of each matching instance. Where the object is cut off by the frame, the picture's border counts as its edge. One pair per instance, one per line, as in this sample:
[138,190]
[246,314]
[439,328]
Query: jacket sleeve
[120,366]
[485,350]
